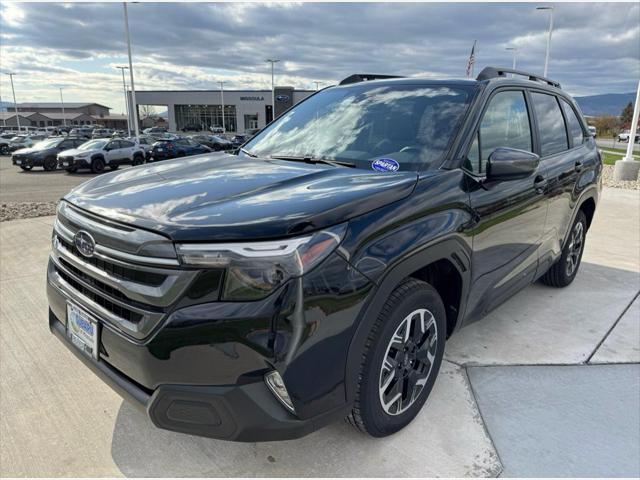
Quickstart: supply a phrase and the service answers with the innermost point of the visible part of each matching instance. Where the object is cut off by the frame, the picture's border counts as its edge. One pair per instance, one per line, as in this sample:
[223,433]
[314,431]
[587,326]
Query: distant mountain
[606,104]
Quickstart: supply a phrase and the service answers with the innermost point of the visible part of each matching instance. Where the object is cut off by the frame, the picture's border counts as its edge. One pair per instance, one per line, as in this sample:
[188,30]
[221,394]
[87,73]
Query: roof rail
[488,73]
[364,77]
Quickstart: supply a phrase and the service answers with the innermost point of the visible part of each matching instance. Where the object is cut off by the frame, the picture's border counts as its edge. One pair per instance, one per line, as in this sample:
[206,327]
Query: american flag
[472,60]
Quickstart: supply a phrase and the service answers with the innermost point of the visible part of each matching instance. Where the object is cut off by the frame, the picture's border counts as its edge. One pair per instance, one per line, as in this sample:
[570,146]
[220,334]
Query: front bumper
[245,413]
[202,370]
[72,162]
[26,161]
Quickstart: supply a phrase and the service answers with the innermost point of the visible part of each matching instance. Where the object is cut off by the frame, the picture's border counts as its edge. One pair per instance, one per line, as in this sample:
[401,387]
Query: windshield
[406,127]
[51,142]
[93,145]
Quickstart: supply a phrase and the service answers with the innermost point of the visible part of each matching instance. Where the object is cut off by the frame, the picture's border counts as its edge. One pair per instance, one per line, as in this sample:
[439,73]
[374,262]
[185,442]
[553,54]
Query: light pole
[4,119]
[317,85]
[273,88]
[64,119]
[134,104]
[224,130]
[126,100]
[627,168]
[515,53]
[546,58]
[15,105]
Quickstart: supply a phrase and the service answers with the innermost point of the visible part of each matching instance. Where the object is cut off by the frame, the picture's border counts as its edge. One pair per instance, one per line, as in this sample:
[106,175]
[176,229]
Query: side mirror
[511,163]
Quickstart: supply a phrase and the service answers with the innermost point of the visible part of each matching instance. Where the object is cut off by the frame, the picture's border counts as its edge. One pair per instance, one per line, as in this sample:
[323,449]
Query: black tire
[50,164]
[181,154]
[4,150]
[97,165]
[113,166]
[72,170]
[216,147]
[562,273]
[137,160]
[26,168]
[409,361]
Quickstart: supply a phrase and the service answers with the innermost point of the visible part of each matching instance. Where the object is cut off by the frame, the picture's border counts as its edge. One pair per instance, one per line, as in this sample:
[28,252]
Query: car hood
[226,197]
[74,151]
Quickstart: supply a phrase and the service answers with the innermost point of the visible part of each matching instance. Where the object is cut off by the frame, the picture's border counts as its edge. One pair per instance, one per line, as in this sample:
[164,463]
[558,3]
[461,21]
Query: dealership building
[201,109]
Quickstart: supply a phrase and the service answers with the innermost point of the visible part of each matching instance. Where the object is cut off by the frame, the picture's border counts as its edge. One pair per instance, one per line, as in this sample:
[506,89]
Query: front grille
[137,276]
[122,283]
[114,308]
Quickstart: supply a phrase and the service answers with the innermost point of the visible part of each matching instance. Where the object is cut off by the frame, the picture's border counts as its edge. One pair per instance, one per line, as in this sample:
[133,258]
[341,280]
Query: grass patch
[611,158]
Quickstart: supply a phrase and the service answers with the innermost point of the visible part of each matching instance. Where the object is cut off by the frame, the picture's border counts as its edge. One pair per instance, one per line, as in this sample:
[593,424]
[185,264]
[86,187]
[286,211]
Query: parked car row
[74,152]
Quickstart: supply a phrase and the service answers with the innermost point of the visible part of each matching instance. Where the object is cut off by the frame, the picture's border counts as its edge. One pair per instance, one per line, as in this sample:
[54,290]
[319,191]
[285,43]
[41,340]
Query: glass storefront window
[203,117]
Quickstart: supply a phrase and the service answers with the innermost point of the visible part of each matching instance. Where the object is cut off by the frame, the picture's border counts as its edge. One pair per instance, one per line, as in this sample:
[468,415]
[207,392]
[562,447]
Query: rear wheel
[97,165]
[26,168]
[50,163]
[401,360]
[113,166]
[137,160]
[562,273]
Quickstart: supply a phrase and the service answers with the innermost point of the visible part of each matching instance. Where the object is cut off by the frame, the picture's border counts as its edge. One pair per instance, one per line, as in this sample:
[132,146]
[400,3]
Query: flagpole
[473,65]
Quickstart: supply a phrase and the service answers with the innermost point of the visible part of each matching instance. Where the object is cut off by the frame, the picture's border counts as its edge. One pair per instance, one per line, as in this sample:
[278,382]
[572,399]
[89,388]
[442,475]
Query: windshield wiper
[310,159]
[248,153]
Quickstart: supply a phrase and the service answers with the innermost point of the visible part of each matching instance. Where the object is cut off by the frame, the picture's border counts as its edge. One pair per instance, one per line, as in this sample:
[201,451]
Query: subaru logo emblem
[282,98]
[85,243]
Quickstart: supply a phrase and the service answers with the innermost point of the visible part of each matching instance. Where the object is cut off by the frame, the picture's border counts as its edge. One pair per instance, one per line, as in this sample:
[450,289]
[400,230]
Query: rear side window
[573,124]
[505,124]
[125,144]
[553,133]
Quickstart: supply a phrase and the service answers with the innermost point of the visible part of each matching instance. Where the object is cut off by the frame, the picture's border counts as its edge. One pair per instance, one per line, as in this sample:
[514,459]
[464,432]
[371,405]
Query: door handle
[539,183]
[578,166]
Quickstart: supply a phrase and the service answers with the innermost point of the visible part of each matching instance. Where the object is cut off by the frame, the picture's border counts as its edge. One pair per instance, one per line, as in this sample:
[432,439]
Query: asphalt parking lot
[547,385]
[17,185]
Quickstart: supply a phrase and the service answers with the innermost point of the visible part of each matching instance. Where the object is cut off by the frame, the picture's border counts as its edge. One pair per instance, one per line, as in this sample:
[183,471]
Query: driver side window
[505,124]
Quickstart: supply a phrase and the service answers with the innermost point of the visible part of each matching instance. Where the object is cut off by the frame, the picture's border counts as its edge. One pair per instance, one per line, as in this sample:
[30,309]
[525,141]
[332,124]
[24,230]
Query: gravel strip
[13,210]
[608,181]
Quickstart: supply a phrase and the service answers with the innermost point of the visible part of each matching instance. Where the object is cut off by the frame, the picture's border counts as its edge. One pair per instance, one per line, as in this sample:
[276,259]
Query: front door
[510,214]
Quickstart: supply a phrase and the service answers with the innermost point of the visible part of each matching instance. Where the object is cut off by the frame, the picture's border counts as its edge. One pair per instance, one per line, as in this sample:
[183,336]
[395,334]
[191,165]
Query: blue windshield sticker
[385,165]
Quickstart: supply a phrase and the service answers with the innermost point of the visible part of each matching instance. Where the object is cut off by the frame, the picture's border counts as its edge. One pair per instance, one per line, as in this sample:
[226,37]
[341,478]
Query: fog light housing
[276,385]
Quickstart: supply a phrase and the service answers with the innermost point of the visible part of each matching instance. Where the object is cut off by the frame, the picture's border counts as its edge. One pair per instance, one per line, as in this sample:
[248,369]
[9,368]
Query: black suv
[44,153]
[317,274]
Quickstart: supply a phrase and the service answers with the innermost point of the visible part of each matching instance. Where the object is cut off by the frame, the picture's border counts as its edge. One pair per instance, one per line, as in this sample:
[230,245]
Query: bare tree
[147,111]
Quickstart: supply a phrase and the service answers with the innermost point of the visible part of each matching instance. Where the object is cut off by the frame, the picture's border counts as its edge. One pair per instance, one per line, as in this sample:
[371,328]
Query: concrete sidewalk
[57,419]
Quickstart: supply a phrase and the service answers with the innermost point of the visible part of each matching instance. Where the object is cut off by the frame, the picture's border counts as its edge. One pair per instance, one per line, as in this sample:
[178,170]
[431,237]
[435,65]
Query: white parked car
[592,131]
[624,136]
[100,153]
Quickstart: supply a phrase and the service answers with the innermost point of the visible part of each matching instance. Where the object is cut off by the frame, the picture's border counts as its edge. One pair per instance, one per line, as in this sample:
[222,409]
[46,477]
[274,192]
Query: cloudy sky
[595,47]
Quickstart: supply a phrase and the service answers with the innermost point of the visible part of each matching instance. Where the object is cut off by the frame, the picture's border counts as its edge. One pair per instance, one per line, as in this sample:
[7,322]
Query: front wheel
[26,168]
[50,164]
[562,273]
[401,360]
[97,165]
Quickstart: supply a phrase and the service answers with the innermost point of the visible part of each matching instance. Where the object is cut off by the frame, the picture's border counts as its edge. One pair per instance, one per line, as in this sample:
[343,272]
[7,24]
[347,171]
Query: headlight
[255,269]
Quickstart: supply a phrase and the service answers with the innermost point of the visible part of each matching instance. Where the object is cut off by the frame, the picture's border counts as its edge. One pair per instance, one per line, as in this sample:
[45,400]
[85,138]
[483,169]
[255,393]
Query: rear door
[563,155]
[510,214]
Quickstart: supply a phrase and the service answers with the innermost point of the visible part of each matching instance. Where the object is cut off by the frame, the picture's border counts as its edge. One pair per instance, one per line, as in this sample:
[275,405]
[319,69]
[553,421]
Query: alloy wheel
[408,361]
[575,248]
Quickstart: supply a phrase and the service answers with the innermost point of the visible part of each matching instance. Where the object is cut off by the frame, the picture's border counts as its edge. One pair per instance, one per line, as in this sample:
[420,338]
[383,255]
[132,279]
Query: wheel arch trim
[452,249]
